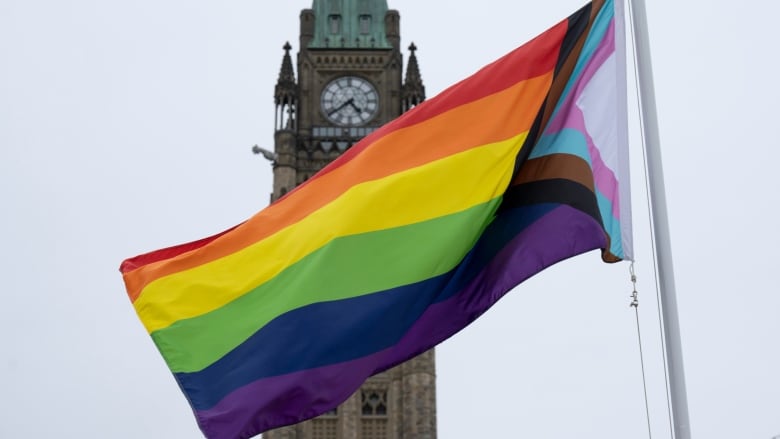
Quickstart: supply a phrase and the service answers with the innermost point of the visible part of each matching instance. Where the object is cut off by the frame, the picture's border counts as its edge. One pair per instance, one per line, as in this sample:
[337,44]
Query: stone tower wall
[408,391]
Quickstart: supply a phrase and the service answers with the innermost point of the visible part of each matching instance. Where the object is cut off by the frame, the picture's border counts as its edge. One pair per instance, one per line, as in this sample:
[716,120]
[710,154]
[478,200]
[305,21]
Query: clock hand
[350,101]
[358,109]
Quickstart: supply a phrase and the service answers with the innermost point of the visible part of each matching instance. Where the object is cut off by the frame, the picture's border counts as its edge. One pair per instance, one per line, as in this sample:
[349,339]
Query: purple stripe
[559,235]
[288,399]
[570,116]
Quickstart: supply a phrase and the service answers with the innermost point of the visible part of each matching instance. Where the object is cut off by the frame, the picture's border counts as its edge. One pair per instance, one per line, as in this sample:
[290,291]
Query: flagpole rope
[631,28]
[635,305]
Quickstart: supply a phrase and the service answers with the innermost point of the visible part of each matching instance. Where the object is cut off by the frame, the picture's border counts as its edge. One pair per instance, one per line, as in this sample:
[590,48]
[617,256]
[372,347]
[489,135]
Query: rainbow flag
[404,240]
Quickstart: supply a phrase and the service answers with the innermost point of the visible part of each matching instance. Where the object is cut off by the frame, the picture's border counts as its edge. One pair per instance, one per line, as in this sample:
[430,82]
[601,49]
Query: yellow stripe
[442,187]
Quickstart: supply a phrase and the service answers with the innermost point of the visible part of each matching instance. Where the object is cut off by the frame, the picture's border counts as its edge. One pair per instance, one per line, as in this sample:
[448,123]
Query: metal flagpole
[671,324]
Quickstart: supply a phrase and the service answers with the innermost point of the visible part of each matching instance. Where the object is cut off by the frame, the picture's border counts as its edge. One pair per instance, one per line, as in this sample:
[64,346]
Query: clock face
[349,101]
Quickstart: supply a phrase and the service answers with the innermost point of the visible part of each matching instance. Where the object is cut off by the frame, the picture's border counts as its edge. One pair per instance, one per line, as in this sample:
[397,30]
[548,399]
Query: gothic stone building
[350,82]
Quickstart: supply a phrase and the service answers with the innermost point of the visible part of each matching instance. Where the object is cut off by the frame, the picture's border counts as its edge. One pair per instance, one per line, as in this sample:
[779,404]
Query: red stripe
[167,253]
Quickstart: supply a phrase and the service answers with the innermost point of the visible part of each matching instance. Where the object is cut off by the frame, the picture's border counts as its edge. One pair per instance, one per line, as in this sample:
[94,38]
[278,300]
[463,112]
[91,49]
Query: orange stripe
[491,119]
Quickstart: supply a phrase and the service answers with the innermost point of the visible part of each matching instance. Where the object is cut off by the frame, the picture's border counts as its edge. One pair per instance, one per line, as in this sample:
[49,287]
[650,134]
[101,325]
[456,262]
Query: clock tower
[350,82]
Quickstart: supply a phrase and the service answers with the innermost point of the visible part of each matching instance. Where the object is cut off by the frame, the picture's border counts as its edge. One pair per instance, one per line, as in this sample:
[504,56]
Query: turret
[393,28]
[307,27]
[286,94]
[413,91]
[286,100]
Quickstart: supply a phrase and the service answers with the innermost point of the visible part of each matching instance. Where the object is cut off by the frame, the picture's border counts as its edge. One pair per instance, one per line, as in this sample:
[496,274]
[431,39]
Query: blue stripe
[334,332]
[565,141]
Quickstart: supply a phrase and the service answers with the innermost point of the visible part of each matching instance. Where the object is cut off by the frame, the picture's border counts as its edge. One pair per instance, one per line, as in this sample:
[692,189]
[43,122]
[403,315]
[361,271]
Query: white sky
[127,126]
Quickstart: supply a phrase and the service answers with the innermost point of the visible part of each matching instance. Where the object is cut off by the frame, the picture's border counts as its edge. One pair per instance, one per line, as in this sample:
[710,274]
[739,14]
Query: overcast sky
[127,126]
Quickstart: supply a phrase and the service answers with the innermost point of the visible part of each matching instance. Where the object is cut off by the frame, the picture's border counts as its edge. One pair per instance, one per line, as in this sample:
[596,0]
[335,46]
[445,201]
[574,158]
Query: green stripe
[346,267]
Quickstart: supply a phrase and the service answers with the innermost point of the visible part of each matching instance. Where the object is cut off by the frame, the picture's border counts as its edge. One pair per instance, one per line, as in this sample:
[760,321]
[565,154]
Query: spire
[413,69]
[286,94]
[413,91]
[286,87]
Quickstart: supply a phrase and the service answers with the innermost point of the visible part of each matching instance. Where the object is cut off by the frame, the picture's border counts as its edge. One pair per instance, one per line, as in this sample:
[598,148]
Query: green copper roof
[349,24]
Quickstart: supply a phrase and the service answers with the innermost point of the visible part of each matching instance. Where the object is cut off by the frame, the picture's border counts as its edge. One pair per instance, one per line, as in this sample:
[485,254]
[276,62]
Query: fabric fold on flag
[404,240]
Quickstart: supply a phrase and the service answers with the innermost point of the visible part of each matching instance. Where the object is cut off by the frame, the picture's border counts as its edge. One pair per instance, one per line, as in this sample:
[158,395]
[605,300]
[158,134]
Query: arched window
[373,424]
[373,402]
